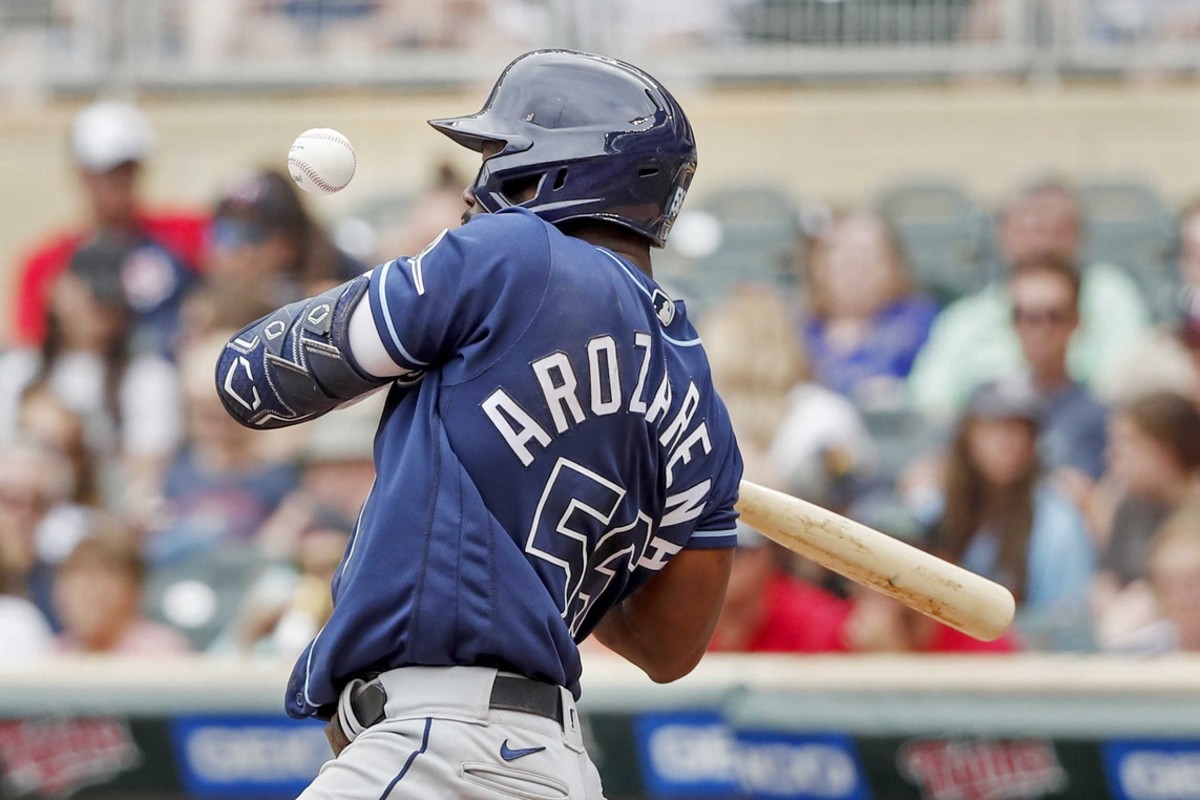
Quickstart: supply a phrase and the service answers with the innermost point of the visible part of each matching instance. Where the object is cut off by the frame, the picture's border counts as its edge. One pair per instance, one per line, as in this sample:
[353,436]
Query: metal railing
[64,45]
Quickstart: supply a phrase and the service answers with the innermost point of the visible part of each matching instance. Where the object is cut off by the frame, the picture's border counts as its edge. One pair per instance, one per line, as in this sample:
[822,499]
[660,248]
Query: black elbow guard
[295,364]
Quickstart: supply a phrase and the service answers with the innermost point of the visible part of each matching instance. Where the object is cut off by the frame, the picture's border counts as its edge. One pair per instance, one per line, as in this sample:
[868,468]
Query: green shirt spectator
[973,340]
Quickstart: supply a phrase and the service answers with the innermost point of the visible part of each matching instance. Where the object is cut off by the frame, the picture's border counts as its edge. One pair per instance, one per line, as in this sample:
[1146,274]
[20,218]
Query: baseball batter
[552,461]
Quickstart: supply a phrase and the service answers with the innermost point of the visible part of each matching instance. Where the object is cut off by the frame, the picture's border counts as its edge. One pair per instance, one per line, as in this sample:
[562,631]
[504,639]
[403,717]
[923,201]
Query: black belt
[509,693]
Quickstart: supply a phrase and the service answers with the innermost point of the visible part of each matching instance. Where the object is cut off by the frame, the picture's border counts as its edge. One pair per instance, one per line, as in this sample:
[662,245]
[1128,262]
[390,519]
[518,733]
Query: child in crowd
[41,524]
[1154,466]
[25,634]
[98,594]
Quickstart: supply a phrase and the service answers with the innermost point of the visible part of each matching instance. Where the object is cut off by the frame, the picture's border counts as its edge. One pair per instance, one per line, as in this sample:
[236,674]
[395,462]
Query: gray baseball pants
[441,738]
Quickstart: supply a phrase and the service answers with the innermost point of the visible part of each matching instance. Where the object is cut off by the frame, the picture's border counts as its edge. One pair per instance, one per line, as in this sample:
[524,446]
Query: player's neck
[630,246]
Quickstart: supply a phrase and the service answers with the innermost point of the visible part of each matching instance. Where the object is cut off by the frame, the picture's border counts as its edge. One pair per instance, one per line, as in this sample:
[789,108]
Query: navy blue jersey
[563,444]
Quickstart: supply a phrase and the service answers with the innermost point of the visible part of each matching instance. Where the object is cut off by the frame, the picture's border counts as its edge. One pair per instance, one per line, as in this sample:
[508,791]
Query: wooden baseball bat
[947,592]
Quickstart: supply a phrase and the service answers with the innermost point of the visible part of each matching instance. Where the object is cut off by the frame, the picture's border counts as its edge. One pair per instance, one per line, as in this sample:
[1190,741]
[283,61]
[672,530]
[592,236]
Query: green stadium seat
[200,595]
[1127,223]
[746,233]
[900,433]
[943,232]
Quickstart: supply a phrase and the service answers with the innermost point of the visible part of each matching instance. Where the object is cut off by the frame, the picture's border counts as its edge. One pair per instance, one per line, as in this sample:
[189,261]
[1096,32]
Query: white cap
[107,133]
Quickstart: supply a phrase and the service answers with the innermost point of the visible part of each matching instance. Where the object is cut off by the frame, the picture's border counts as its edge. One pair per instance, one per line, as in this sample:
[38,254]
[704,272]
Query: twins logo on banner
[57,757]
[1153,769]
[695,754]
[982,770]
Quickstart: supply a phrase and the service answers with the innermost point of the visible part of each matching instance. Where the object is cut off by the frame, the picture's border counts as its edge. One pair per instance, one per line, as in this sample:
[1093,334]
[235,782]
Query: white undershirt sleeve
[367,346]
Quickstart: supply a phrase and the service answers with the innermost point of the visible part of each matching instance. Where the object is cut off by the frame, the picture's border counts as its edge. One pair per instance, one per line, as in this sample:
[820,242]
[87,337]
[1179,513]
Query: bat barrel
[958,597]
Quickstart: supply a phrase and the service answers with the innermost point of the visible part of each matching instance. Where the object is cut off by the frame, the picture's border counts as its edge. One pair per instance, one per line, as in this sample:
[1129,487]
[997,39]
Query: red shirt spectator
[767,610]
[109,141]
[798,618]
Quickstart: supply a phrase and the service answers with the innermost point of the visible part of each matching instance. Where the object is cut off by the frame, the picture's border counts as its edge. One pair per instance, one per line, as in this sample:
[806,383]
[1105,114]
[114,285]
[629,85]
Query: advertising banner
[677,753]
[251,756]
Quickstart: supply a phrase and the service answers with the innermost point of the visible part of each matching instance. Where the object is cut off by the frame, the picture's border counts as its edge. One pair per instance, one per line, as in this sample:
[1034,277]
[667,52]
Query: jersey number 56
[584,526]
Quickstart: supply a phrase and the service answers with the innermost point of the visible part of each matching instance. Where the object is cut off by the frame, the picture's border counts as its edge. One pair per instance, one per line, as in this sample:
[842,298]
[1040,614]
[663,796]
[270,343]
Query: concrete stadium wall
[840,145]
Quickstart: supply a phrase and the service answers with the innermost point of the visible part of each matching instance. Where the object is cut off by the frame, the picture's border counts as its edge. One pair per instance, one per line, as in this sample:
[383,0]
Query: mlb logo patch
[664,307]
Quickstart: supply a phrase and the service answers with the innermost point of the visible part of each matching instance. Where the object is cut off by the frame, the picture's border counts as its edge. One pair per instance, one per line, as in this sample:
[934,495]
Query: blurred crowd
[1042,428]
[208,33]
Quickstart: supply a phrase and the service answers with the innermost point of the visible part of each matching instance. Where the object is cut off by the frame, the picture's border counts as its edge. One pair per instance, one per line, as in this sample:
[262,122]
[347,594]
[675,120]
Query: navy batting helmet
[595,137]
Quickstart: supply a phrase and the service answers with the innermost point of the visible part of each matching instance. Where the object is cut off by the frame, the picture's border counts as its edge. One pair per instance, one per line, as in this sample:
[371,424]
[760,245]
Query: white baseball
[321,161]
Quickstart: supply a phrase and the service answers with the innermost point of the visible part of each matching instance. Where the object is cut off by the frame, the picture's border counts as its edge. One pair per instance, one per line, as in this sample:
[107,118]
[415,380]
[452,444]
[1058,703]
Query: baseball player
[552,460]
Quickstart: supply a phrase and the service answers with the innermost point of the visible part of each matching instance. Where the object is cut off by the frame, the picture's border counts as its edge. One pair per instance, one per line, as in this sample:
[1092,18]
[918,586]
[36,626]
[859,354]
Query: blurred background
[943,254]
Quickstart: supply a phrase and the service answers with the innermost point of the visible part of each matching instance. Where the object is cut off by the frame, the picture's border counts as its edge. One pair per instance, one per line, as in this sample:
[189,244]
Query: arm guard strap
[295,364]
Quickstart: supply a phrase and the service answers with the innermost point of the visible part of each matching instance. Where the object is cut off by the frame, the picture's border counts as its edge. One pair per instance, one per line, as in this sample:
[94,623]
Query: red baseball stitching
[317,180]
[329,136]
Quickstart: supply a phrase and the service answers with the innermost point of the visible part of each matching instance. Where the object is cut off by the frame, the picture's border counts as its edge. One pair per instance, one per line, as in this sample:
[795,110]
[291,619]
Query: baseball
[321,161]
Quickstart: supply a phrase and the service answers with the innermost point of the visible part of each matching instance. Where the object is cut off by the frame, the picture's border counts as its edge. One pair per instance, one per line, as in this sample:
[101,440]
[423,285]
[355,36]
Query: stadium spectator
[973,340]
[221,487]
[1168,357]
[286,606]
[1115,21]
[43,417]
[98,595]
[110,142]
[653,27]
[267,249]
[41,524]
[434,210]
[1168,600]
[809,440]
[1001,518]
[25,635]
[1154,458]
[866,318]
[337,469]
[129,403]
[1175,577]
[768,610]
[1154,464]
[1045,307]
[217,29]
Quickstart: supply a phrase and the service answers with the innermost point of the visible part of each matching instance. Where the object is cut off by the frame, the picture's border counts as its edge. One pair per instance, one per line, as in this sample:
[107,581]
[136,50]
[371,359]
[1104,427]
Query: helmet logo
[676,202]
[664,307]
[673,210]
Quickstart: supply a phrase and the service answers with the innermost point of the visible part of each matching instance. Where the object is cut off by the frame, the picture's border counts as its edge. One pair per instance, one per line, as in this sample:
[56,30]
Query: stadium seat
[1128,224]
[847,22]
[361,232]
[900,434]
[745,233]
[199,596]
[944,234]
